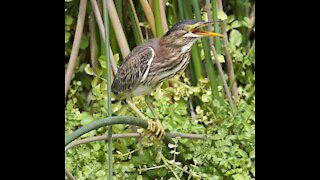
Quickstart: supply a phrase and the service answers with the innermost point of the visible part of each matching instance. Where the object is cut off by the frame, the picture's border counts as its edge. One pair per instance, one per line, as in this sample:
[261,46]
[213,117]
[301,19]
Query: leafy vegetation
[185,104]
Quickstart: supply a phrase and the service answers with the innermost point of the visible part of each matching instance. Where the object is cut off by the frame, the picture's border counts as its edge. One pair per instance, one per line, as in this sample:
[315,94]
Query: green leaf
[100,173]
[216,103]
[89,70]
[222,15]
[252,154]
[235,37]
[68,20]
[96,146]
[205,98]
[221,58]
[66,37]
[116,57]
[84,43]
[238,177]
[172,145]
[236,24]
[246,22]
[102,61]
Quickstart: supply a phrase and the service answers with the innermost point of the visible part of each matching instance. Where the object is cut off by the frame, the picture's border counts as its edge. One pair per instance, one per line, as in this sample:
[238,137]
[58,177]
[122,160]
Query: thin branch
[192,113]
[218,64]
[99,21]
[122,41]
[149,15]
[75,45]
[252,19]
[136,20]
[222,76]
[129,135]
[185,135]
[229,64]
[168,166]
[113,63]
[97,15]
[93,43]
[68,174]
[164,23]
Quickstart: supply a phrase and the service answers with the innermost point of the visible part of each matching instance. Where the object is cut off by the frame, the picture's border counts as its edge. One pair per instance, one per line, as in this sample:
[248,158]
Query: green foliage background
[227,152]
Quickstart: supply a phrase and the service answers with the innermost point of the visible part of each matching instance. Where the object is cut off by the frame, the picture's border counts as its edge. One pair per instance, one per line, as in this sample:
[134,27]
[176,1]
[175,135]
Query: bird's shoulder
[142,48]
[135,67]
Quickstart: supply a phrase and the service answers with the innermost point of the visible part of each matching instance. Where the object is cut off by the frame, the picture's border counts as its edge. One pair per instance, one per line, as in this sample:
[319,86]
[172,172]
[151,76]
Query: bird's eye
[188,28]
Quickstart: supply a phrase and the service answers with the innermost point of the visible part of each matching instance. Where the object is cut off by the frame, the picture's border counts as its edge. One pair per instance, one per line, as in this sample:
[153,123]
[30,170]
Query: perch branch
[129,135]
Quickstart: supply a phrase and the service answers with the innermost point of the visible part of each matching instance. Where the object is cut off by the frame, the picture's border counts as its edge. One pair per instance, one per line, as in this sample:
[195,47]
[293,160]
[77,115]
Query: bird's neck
[177,44]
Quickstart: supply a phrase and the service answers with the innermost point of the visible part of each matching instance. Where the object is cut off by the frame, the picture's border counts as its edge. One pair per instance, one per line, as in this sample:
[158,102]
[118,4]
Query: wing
[134,69]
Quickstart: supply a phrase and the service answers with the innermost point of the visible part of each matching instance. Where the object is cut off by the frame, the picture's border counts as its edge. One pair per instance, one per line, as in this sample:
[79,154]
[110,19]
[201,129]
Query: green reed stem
[157,16]
[107,47]
[214,83]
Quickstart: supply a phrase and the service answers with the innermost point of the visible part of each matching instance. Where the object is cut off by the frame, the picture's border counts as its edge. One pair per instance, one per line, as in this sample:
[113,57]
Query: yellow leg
[147,98]
[153,127]
[135,109]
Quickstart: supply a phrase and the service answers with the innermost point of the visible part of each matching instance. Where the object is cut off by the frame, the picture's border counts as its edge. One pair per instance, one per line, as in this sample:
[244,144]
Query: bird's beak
[197,30]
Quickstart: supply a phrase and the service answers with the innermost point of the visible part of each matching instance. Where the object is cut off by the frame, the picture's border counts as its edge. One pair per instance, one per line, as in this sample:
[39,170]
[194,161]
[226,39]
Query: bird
[154,61]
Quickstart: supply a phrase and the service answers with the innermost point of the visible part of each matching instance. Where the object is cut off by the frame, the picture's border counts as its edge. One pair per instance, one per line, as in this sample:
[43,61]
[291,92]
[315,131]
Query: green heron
[152,62]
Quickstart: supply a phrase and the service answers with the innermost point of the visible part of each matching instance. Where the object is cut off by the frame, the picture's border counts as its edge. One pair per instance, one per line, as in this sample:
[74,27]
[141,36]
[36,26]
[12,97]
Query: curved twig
[75,45]
[68,174]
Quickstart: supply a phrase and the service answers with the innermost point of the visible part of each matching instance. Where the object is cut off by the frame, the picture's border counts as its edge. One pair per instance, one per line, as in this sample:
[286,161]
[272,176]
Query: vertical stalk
[240,14]
[163,16]
[137,34]
[217,41]
[211,72]
[196,64]
[157,15]
[93,43]
[149,15]
[181,14]
[107,48]
[113,39]
[119,8]
[122,40]
[229,64]
[75,45]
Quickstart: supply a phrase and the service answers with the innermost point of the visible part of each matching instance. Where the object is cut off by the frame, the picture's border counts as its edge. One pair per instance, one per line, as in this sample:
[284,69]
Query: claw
[156,129]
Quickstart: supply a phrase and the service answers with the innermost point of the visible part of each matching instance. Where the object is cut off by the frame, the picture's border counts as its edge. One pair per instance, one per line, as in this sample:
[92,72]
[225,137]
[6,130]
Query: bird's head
[191,29]
[188,31]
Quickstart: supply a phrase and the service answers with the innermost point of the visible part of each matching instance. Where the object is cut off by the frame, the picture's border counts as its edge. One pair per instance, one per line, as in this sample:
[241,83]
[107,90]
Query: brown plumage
[154,61]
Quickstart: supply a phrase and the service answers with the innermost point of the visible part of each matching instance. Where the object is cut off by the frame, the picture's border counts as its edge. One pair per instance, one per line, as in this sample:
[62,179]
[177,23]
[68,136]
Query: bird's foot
[156,129]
